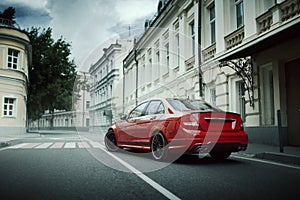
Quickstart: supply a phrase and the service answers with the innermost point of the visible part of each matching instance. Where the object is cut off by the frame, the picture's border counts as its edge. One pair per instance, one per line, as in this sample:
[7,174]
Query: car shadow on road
[181,159]
[207,160]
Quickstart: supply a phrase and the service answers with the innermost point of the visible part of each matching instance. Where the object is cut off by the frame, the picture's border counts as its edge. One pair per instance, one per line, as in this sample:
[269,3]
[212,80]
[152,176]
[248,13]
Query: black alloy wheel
[159,147]
[111,141]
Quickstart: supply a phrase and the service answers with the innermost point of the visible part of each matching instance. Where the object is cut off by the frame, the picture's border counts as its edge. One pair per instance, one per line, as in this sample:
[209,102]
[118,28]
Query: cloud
[27,15]
[88,25]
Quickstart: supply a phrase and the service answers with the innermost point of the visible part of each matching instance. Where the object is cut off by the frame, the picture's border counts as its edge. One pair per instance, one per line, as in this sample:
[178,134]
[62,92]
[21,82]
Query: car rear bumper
[206,142]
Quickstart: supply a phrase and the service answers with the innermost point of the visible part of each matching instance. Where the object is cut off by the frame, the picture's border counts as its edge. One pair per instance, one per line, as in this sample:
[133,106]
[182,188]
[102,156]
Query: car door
[145,124]
[129,127]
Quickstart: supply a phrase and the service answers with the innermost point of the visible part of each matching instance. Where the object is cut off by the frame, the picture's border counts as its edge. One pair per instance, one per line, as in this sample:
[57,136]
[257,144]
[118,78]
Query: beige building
[15,58]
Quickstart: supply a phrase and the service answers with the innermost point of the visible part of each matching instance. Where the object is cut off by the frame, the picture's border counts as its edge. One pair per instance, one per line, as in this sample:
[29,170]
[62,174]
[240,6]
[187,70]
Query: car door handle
[152,118]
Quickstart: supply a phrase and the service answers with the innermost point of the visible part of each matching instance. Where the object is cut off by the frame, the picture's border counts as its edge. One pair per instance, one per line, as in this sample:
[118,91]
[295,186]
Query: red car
[184,126]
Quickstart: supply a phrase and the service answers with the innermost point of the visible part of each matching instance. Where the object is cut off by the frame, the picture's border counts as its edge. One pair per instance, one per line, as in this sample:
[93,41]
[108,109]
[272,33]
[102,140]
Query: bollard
[280,132]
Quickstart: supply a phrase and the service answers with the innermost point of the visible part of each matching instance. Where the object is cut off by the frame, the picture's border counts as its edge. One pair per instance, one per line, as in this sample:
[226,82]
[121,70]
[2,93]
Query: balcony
[190,63]
[289,9]
[209,52]
[235,38]
[278,14]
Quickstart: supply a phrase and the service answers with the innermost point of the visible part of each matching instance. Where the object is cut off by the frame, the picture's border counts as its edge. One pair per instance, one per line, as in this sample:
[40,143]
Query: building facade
[165,60]
[78,118]
[241,56]
[15,58]
[106,84]
[250,61]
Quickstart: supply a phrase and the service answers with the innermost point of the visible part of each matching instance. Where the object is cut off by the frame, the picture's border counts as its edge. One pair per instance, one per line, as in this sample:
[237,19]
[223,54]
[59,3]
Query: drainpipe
[137,75]
[199,49]
[123,108]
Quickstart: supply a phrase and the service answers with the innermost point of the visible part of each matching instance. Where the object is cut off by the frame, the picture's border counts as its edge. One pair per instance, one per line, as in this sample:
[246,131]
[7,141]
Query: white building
[258,39]
[248,61]
[15,58]
[106,84]
[165,60]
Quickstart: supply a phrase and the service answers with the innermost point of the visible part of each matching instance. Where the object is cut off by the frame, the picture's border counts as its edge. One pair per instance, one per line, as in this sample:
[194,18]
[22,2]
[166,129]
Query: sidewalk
[5,140]
[291,154]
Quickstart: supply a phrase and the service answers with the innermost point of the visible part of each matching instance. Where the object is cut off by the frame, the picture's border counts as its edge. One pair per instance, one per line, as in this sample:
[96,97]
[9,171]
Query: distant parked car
[162,126]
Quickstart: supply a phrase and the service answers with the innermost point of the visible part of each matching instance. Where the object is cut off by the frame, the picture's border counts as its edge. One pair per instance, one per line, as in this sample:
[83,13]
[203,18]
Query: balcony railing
[209,52]
[264,22]
[235,38]
[8,23]
[289,9]
[278,14]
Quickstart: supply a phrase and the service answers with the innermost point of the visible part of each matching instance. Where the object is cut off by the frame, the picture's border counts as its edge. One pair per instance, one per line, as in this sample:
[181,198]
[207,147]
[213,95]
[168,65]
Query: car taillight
[191,122]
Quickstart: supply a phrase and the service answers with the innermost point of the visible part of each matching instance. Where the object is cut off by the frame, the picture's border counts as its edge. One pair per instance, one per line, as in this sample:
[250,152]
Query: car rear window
[188,104]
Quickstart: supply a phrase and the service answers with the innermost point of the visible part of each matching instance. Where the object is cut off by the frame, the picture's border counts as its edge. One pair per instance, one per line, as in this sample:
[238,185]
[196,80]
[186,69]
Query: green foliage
[52,74]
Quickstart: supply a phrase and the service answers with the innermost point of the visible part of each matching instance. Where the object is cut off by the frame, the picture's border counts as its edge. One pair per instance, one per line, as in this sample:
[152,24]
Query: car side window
[138,111]
[155,107]
[161,109]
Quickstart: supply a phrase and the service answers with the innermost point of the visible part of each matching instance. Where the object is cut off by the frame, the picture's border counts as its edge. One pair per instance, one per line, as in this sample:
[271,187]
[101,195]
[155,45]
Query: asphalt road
[68,166]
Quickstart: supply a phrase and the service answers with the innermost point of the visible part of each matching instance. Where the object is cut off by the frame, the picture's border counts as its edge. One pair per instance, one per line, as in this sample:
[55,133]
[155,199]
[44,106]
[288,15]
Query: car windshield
[189,104]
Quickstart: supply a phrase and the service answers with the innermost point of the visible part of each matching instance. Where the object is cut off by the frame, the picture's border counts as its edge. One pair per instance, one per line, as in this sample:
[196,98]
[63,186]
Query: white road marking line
[44,145]
[145,178]
[17,146]
[30,145]
[138,173]
[57,145]
[83,145]
[70,145]
[267,162]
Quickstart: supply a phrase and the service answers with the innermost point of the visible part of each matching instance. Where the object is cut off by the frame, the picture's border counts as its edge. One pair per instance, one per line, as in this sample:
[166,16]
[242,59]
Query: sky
[88,25]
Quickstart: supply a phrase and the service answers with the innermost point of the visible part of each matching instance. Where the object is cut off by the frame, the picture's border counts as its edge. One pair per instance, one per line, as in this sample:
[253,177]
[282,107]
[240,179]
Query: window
[239,5]
[212,22]
[149,75]
[267,94]
[192,31]
[9,107]
[155,107]
[138,111]
[189,104]
[88,104]
[213,96]
[13,57]
[167,55]
[241,99]
[178,49]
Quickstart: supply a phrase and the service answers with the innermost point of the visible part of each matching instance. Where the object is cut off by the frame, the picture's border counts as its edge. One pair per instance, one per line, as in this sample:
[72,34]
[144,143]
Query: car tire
[159,147]
[111,141]
[220,155]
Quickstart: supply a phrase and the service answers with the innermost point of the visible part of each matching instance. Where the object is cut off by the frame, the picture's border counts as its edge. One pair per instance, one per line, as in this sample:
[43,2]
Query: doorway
[292,73]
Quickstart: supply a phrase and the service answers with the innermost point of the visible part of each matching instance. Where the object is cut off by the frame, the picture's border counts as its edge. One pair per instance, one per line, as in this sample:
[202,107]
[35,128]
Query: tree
[52,74]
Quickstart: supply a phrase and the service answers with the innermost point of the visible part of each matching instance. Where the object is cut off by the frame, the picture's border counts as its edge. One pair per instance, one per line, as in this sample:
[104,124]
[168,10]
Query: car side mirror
[123,117]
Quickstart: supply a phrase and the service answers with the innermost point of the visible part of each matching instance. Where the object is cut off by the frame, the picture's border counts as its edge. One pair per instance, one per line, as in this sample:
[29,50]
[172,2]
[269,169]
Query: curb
[279,157]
